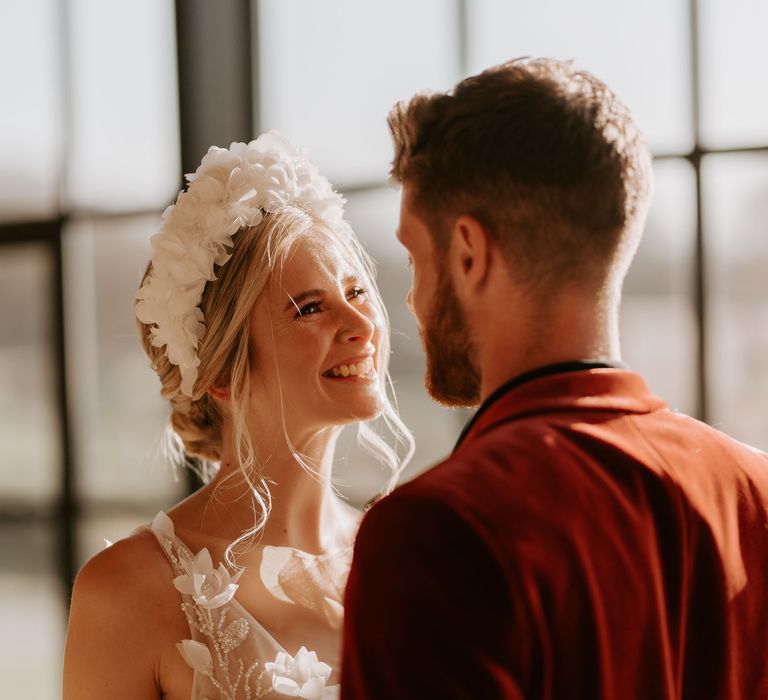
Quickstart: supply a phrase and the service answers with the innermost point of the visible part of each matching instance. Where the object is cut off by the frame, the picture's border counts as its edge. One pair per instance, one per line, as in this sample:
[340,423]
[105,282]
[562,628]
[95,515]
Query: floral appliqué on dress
[228,651]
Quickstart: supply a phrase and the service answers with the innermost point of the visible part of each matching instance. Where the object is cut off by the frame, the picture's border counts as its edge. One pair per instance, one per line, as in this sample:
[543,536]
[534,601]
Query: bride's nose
[356,326]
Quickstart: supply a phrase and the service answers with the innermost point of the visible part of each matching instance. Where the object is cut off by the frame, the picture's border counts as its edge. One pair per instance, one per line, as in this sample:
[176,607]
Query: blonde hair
[226,357]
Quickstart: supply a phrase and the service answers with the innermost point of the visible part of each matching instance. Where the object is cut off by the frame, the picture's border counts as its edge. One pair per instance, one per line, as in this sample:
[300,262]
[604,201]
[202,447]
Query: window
[90,157]
[92,153]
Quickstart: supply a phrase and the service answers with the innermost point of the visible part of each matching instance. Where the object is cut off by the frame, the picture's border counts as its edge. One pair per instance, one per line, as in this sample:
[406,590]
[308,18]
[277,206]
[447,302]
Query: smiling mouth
[363,369]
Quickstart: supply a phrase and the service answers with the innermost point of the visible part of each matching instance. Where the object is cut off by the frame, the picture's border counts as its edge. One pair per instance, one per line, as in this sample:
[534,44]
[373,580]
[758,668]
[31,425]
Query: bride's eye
[308,309]
[356,292]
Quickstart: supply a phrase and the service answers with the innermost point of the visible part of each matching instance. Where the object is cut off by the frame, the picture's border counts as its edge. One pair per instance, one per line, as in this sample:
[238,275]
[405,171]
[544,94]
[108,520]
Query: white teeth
[357,369]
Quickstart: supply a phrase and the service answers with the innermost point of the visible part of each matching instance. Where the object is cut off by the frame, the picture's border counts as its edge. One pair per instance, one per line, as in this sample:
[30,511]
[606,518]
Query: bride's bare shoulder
[131,575]
[124,620]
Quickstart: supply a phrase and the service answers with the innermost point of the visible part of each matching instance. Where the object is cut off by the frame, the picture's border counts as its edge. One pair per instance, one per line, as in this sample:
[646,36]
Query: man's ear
[469,255]
[220,393]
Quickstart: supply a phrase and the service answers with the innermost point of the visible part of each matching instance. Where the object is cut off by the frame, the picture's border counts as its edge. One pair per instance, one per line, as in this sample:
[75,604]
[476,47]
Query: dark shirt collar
[571,366]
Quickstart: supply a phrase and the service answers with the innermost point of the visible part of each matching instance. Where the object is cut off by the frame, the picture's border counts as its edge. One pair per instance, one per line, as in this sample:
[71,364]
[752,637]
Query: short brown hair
[545,156]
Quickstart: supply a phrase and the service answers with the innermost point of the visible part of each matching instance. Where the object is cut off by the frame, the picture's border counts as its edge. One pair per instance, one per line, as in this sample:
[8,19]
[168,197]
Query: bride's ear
[220,393]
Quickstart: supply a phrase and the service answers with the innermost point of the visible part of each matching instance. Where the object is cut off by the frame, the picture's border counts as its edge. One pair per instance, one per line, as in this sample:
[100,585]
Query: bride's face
[315,335]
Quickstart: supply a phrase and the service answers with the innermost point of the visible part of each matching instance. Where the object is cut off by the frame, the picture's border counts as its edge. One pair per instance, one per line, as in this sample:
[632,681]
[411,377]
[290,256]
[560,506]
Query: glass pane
[118,415]
[608,38]
[658,301]
[374,216]
[28,422]
[124,150]
[736,210]
[96,526]
[734,53]
[32,611]
[328,74]
[30,137]
[359,477]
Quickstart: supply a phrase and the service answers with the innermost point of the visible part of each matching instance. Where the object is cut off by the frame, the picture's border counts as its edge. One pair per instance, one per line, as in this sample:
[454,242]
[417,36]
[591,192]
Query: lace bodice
[232,655]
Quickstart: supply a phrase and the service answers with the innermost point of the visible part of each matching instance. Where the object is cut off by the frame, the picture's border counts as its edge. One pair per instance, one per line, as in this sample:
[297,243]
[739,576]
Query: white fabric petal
[198,581]
[196,654]
[285,686]
[312,689]
[216,601]
[163,525]
[305,661]
[279,664]
[203,562]
[184,584]
[188,379]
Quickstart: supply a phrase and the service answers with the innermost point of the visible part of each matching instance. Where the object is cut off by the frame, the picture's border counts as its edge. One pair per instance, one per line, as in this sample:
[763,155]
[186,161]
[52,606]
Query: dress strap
[174,549]
[220,649]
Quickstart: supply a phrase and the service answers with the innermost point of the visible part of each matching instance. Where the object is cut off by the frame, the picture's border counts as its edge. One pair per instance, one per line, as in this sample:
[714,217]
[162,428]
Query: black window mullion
[699,261]
[66,509]
[61,520]
[214,47]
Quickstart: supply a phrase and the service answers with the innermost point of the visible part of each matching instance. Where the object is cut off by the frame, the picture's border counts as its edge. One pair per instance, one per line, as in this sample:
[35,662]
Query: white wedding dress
[233,656]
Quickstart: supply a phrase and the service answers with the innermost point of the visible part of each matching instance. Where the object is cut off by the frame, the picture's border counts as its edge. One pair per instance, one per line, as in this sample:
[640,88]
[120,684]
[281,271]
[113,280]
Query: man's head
[547,161]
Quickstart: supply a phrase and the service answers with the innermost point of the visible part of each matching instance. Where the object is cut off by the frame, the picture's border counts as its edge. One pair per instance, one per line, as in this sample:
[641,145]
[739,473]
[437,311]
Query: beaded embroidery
[224,640]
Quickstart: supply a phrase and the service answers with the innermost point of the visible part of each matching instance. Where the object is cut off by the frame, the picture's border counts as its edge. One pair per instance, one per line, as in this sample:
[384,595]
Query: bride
[260,315]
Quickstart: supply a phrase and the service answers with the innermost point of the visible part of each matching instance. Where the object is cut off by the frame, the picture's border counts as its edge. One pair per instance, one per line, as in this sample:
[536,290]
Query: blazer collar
[601,388]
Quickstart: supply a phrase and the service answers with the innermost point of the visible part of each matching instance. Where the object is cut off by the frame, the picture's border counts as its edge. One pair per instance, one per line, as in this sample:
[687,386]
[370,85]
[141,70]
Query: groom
[582,540]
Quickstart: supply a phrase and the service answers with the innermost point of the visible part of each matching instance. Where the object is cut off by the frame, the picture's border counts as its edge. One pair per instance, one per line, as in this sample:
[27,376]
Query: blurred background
[104,104]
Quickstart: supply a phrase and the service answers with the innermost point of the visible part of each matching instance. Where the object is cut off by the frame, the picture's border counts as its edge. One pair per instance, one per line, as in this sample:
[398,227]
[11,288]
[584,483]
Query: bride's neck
[306,514]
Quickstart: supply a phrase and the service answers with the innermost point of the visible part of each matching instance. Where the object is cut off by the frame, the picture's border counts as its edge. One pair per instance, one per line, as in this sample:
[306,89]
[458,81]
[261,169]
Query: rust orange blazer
[583,541]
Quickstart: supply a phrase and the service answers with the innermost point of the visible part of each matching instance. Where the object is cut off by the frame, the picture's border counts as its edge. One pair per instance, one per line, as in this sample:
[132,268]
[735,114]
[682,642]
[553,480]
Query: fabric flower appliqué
[302,676]
[210,588]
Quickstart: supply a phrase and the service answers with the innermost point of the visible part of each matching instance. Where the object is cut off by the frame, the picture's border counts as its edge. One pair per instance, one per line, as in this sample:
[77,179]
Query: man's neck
[560,333]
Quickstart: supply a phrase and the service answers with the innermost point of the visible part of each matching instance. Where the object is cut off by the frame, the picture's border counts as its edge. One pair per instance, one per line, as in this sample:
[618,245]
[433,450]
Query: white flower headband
[230,190]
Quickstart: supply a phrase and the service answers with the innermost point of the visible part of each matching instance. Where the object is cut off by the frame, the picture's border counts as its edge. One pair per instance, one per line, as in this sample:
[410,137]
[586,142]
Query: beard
[452,377]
